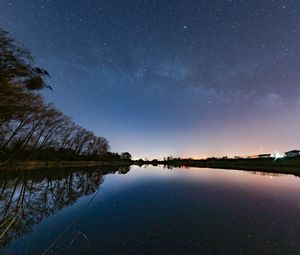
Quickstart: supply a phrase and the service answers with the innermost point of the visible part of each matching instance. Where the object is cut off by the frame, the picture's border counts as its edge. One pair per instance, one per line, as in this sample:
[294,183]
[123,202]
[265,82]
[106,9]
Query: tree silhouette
[29,128]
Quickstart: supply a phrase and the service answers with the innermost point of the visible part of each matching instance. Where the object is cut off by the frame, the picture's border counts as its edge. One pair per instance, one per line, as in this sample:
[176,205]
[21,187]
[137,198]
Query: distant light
[277,155]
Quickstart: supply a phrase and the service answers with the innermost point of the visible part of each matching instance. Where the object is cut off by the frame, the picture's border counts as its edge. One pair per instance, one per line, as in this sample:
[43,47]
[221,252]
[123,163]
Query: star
[235,59]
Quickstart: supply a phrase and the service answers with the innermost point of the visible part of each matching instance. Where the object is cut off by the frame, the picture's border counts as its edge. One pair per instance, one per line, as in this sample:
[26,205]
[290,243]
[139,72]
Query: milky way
[182,78]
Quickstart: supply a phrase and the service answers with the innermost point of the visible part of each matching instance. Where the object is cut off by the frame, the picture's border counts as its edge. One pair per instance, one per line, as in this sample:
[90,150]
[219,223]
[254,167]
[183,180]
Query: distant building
[237,157]
[264,155]
[253,156]
[292,154]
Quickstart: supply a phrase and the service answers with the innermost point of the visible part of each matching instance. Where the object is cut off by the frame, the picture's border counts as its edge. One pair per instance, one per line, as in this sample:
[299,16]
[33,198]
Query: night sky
[159,77]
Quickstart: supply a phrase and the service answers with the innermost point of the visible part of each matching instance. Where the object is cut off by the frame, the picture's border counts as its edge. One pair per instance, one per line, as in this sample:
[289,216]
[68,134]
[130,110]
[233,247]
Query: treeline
[41,131]
[282,165]
[30,128]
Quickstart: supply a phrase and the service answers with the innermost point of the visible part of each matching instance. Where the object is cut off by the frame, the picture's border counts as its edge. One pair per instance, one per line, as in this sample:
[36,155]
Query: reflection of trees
[28,198]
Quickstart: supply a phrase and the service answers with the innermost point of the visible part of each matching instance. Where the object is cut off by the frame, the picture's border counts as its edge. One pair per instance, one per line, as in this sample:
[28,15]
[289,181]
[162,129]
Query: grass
[7,224]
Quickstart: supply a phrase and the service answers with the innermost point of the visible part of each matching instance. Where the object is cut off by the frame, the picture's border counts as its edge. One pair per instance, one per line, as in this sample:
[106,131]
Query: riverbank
[28,165]
[282,166]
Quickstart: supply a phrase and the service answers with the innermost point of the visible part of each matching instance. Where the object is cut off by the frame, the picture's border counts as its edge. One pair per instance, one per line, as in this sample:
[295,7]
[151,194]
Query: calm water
[149,210]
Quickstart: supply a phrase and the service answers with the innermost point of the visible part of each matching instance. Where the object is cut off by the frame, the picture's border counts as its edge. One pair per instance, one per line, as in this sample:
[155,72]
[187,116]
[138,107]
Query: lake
[149,210]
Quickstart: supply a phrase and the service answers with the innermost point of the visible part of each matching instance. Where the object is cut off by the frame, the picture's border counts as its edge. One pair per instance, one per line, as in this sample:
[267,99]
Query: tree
[29,128]
[16,65]
[18,77]
[126,156]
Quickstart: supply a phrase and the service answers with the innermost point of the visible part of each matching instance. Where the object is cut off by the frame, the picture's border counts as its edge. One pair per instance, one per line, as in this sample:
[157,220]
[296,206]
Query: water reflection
[268,174]
[28,197]
[150,210]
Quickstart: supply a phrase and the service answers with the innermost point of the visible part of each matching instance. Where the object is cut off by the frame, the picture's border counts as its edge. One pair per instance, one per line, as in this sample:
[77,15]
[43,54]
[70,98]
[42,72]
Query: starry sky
[190,78]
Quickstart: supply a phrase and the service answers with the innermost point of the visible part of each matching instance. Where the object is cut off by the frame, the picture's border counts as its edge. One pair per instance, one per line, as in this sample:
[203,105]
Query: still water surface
[149,210]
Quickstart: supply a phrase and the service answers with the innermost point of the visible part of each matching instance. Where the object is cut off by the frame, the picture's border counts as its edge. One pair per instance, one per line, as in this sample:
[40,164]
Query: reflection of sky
[275,185]
[183,77]
[153,204]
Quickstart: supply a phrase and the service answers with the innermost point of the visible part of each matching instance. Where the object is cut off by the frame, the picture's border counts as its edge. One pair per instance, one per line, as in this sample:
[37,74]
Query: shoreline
[280,166]
[34,164]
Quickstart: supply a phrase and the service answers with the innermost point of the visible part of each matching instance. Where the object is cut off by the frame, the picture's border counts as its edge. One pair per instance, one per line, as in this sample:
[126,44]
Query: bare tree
[30,128]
